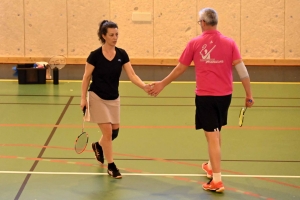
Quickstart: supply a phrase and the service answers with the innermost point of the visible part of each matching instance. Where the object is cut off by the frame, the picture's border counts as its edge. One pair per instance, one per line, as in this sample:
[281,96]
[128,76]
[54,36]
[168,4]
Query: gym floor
[158,151]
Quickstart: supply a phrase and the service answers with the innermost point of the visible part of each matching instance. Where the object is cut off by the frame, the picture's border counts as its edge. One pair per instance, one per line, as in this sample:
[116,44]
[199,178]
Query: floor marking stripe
[143,174]
[184,82]
[149,127]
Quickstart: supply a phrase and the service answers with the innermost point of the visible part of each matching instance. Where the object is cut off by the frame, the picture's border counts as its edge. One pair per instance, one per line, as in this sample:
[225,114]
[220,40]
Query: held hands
[147,87]
[154,88]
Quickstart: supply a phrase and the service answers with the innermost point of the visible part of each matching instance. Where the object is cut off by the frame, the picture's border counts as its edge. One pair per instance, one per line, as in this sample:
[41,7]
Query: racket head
[81,142]
[58,62]
[241,116]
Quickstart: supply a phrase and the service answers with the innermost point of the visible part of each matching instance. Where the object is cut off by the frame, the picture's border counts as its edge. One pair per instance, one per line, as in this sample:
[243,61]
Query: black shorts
[211,112]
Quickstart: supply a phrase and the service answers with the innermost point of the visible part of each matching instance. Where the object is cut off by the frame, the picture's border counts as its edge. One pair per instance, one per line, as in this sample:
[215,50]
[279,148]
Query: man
[214,55]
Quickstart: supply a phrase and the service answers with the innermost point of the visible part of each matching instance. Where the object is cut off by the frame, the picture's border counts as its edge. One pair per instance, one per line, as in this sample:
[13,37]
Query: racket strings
[81,142]
[83,139]
[58,61]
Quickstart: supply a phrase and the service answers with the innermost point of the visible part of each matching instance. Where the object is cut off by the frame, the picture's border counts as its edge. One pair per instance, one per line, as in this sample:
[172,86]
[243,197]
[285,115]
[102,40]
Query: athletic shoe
[211,185]
[209,172]
[98,152]
[114,173]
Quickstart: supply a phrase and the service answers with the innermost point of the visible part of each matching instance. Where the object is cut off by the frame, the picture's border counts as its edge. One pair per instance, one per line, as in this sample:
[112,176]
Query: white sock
[209,165]
[217,177]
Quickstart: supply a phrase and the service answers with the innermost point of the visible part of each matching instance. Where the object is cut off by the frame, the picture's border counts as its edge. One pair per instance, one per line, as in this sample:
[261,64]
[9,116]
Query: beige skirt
[102,111]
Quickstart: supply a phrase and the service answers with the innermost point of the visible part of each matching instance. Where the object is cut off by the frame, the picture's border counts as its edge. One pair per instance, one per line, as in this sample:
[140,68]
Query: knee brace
[115,133]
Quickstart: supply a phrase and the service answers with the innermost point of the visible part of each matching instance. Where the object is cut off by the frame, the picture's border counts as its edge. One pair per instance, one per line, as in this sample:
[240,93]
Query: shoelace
[97,152]
[209,181]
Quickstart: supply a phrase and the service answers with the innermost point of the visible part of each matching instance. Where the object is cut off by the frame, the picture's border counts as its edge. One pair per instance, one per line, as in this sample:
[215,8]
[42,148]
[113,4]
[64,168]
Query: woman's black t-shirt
[106,74]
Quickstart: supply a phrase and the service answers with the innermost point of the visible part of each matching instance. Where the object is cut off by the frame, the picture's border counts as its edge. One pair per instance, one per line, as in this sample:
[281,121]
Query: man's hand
[156,88]
[249,101]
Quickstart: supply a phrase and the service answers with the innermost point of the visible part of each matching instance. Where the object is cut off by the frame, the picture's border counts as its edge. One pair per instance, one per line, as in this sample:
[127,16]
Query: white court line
[140,174]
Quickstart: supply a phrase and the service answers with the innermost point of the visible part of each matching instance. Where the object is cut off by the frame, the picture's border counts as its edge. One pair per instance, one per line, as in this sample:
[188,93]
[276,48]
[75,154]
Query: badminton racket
[82,139]
[58,61]
[242,115]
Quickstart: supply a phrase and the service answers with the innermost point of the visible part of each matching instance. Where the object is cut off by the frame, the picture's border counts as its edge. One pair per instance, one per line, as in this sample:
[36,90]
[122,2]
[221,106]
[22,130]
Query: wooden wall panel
[135,37]
[292,29]
[262,29]
[83,19]
[11,28]
[175,24]
[45,27]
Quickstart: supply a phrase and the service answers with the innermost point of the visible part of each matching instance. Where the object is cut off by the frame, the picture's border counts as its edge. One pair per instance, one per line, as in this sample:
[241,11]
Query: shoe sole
[221,189]
[207,174]
[118,177]
[94,149]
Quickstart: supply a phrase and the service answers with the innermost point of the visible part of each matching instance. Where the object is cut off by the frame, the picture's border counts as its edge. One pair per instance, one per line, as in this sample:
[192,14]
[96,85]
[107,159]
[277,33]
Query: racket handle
[84,110]
[55,76]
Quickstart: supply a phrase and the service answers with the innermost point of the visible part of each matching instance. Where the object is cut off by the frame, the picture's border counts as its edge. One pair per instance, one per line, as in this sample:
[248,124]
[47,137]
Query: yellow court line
[183,82]
[279,83]
[7,80]
[194,82]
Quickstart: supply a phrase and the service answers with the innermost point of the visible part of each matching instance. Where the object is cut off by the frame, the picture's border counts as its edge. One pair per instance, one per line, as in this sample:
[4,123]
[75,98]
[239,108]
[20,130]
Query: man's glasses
[199,22]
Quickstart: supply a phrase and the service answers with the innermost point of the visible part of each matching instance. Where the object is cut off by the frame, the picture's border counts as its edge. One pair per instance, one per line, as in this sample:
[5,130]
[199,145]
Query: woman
[104,66]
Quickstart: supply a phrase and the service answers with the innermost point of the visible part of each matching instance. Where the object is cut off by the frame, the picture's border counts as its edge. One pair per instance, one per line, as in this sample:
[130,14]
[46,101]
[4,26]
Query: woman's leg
[106,141]
[106,144]
[97,147]
[115,131]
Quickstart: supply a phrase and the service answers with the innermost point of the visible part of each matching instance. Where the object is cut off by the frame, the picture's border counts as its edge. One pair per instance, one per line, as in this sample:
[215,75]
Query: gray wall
[155,73]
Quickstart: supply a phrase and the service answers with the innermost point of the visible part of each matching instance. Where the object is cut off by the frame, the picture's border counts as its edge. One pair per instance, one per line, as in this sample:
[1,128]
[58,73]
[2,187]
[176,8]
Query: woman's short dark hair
[104,25]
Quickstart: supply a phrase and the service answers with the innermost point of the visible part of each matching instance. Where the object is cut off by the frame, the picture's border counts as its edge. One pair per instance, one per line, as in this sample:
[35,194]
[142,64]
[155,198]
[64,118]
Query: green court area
[158,151]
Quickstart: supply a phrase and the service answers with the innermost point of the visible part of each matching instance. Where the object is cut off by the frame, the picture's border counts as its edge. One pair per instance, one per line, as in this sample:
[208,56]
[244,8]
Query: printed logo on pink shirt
[205,54]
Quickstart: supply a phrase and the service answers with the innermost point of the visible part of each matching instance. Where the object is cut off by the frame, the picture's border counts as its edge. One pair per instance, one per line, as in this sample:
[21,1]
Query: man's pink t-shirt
[213,54]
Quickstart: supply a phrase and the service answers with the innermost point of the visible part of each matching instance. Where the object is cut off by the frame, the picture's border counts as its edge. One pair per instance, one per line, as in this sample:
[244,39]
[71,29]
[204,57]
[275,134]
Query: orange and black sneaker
[211,185]
[208,171]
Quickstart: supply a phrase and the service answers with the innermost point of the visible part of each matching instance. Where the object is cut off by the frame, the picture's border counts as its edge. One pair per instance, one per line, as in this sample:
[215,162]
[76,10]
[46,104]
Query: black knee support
[115,133]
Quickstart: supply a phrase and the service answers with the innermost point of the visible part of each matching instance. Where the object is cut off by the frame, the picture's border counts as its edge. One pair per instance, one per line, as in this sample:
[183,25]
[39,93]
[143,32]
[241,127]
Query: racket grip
[55,76]
[83,110]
